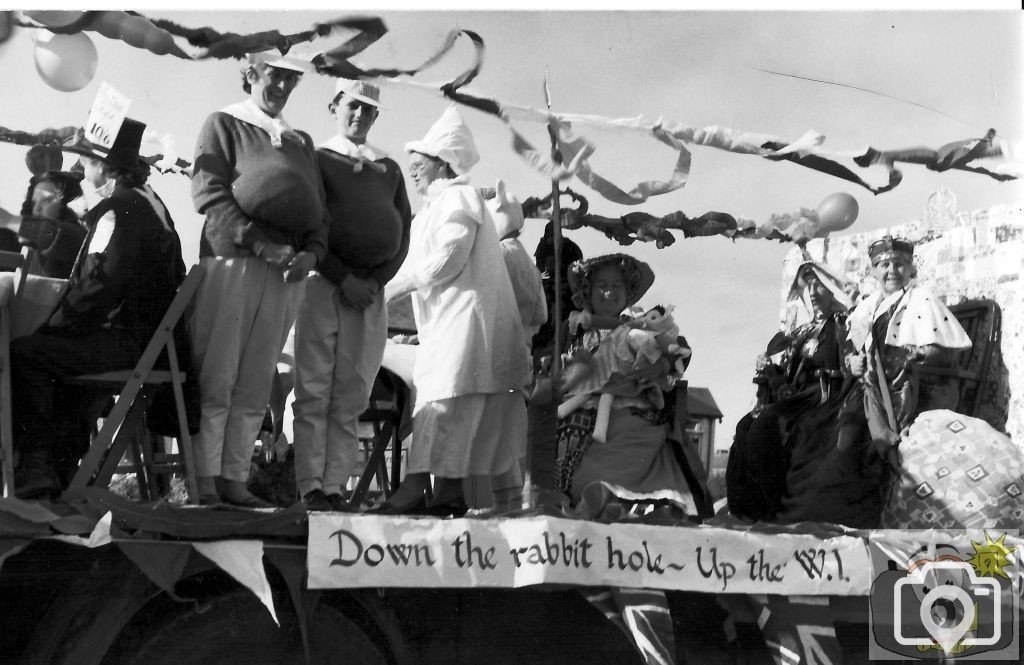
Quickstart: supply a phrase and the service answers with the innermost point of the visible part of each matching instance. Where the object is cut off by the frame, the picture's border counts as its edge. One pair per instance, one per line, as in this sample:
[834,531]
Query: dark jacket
[128,282]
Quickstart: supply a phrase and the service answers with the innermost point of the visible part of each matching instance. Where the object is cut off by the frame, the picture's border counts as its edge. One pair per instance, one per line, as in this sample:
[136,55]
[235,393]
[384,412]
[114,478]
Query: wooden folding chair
[388,401]
[982,320]
[124,425]
[18,262]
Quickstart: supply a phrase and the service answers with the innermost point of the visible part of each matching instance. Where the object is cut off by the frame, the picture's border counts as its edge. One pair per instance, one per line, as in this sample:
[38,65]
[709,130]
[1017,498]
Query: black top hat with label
[123,153]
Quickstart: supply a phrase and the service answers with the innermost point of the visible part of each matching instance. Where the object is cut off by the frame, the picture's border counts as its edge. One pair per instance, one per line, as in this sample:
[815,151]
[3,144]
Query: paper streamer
[242,560]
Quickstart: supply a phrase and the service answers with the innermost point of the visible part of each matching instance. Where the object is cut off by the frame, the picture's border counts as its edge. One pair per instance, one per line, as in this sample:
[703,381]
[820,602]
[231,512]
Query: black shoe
[316,501]
[339,503]
[455,507]
[416,507]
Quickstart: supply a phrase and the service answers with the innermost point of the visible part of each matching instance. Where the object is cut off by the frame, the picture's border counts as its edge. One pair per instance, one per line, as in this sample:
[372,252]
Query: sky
[924,79]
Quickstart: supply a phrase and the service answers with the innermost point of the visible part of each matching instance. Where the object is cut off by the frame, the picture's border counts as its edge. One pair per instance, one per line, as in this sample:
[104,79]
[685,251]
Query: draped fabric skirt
[478,434]
[636,456]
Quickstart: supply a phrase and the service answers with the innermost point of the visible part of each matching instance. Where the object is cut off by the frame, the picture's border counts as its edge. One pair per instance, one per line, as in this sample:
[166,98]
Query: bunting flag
[11,546]
[100,534]
[162,562]
[242,560]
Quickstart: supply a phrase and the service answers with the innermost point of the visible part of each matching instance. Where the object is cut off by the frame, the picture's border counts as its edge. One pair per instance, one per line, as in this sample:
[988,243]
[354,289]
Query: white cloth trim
[344,146]
[248,112]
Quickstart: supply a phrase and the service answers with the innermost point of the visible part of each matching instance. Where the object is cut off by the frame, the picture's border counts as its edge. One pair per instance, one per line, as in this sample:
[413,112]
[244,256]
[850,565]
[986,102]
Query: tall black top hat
[123,153]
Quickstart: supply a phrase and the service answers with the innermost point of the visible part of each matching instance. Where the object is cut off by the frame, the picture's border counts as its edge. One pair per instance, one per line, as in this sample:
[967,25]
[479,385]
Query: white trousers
[243,311]
[338,351]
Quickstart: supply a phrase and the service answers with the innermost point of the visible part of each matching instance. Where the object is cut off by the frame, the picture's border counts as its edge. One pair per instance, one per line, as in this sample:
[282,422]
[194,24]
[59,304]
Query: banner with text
[372,551]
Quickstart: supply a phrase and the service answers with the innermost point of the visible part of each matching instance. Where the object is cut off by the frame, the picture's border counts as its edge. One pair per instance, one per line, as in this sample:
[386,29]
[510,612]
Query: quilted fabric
[958,472]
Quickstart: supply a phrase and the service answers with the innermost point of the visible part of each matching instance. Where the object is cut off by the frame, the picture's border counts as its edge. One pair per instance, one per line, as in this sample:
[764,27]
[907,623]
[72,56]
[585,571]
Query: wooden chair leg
[6,419]
[184,437]
[376,465]
[396,462]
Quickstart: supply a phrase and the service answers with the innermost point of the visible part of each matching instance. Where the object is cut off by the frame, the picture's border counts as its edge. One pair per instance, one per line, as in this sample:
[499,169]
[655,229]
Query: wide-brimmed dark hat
[124,152]
[69,182]
[638,275]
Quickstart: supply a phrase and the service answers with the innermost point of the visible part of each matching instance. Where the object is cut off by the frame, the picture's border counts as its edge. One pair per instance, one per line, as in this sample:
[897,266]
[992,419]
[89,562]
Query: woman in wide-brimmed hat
[635,454]
[120,290]
[49,224]
[469,418]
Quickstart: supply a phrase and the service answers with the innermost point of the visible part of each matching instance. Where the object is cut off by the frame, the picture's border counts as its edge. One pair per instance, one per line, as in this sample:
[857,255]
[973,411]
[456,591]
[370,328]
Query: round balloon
[836,212]
[66,62]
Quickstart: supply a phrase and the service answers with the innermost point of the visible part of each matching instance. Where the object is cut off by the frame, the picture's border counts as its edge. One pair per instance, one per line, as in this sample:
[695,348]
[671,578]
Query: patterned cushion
[958,472]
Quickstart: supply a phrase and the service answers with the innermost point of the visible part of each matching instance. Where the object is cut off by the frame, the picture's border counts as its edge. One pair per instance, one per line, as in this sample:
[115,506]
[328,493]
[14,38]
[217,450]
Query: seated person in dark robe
[118,294]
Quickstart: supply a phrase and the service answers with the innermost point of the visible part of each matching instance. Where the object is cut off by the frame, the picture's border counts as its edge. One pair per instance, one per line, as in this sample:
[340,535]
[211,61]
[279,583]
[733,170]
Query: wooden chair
[982,320]
[124,426]
[388,419]
[18,262]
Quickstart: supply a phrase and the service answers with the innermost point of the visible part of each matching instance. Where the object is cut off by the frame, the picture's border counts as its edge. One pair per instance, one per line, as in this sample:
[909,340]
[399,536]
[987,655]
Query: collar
[93,195]
[344,146]
[441,184]
[248,112]
[887,301]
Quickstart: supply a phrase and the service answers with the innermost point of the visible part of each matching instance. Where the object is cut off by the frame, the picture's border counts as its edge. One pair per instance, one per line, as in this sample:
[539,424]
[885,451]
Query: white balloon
[836,212]
[65,62]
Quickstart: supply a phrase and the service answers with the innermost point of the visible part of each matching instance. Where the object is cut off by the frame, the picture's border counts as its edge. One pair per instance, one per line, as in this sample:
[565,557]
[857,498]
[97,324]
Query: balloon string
[871,92]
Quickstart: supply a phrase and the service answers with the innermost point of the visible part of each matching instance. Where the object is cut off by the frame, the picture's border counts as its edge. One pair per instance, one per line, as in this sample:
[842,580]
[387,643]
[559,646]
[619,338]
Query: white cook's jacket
[466,316]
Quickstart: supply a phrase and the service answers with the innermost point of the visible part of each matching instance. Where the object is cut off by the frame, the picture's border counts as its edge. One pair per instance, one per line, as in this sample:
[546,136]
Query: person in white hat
[256,181]
[469,418]
[342,324]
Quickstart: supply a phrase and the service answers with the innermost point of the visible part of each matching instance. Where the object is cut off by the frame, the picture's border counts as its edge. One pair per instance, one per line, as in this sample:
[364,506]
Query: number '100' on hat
[123,152]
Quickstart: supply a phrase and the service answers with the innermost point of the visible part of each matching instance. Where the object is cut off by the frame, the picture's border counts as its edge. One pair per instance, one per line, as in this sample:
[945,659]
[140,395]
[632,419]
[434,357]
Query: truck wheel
[235,628]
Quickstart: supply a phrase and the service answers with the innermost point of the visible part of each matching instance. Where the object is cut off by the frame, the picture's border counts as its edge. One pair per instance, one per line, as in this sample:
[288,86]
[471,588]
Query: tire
[235,628]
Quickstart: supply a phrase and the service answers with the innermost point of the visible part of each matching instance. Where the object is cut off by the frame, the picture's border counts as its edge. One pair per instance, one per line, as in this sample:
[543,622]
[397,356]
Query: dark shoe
[415,507]
[210,500]
[339,503]
[316,501]
[455,507]
[235,493]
